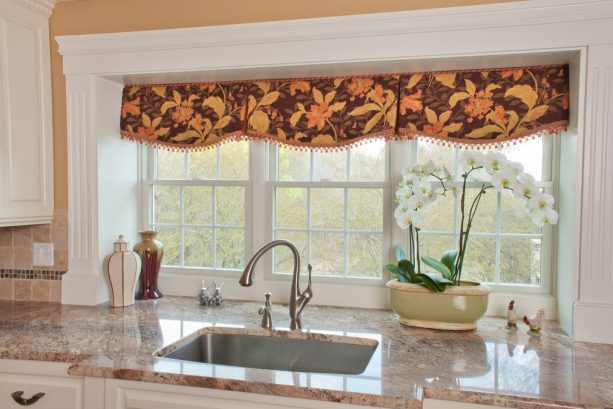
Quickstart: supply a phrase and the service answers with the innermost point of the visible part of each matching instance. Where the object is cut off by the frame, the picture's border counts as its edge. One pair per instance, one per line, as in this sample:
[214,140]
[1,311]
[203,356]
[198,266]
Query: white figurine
[535,323]
[511,316]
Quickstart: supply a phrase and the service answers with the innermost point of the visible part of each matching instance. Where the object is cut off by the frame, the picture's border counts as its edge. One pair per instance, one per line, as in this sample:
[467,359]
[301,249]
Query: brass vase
[150,252]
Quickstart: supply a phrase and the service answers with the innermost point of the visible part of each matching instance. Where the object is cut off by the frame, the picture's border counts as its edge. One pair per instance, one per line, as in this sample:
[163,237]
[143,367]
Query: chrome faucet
[297,300]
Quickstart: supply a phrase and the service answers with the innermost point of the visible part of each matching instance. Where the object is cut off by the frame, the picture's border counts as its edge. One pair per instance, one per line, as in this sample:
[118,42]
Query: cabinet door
[26,172]
[445,404]
[141,395]
[59,393]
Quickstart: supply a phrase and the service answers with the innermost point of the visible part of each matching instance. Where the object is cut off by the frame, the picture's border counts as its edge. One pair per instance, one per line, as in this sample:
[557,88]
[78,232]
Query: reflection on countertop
[489,366]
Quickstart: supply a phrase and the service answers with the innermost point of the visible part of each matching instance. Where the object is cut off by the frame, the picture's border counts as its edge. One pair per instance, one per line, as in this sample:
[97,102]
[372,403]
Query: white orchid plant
[420,187]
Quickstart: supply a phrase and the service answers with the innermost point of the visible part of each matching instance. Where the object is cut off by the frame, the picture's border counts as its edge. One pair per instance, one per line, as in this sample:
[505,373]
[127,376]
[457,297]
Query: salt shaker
[217,298]
[204,297]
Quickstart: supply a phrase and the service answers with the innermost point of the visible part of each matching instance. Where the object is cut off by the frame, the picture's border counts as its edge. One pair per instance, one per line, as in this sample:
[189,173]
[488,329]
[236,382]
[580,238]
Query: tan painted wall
[103,16]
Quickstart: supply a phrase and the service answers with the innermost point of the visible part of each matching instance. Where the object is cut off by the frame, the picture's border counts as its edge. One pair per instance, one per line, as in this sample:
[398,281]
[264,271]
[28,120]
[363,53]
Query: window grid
[309,230]
[388,238]
[153,183]
[498,235]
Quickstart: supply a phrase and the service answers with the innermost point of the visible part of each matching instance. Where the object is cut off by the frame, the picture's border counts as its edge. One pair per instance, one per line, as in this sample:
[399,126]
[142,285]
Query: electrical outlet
[42,254]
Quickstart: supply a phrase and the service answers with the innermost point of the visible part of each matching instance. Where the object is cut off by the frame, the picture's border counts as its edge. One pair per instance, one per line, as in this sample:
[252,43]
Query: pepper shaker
[204,297]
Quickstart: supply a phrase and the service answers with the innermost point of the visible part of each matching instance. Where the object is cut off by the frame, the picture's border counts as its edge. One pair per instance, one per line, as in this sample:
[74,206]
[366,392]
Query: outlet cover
[42,254]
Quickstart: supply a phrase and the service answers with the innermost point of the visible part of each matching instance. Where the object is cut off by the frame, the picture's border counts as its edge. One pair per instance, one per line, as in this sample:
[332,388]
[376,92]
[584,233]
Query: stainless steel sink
[276,350]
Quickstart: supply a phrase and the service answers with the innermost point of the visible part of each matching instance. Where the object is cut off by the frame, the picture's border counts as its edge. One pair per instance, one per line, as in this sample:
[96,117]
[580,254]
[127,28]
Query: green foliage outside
[212,229]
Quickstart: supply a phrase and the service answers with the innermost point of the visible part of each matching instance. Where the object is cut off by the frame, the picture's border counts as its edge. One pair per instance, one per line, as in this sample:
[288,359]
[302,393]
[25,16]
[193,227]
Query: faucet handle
[265,312]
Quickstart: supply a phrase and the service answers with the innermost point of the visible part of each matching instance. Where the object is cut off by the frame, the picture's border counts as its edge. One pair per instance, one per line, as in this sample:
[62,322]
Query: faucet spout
[298,300]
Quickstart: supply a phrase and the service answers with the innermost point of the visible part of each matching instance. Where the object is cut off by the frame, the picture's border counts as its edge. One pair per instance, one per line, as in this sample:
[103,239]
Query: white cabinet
[49,380]
[26,140]
[141,395]
[445,404]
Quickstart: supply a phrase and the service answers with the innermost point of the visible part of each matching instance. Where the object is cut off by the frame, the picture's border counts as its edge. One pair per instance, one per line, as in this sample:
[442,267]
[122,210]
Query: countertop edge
[289,391]
[505,401]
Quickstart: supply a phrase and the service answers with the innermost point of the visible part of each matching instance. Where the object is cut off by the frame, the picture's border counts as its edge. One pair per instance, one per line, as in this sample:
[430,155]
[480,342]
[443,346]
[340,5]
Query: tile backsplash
[19,278]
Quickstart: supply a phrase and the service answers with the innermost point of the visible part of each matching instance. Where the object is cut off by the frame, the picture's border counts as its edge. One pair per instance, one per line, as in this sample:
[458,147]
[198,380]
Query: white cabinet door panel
[445,404]
[26,142]
[142,395]
[60,393]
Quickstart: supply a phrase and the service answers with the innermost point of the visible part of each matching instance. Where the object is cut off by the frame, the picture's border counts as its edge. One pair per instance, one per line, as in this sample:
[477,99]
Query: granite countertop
[489,365]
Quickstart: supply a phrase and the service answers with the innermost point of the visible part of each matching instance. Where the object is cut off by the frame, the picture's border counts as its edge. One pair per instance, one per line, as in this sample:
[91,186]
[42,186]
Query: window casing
[265,182]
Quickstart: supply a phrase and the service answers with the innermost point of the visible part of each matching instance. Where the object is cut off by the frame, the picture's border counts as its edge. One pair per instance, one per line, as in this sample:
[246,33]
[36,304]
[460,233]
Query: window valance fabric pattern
[483,107]
[325,112]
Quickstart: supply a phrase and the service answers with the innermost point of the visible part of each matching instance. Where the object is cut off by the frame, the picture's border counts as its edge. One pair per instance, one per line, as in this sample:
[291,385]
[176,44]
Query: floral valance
[461,107]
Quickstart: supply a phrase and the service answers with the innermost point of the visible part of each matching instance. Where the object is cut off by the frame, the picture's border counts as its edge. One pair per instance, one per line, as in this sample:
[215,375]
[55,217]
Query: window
[505,247]
[331,205]
[336,207]
[198,205]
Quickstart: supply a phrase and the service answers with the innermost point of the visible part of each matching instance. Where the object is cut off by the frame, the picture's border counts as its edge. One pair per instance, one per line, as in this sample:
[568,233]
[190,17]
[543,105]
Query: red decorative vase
[151,252]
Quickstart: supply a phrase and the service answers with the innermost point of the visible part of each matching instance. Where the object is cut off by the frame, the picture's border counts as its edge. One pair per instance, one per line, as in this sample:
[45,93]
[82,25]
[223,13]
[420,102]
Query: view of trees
[337,228]
[518,239]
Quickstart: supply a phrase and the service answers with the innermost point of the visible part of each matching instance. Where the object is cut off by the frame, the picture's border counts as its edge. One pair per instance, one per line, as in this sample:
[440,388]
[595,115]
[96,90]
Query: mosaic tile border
[31,274]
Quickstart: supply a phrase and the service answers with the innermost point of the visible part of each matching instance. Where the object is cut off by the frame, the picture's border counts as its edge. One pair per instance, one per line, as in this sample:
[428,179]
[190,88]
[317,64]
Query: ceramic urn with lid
[123,267]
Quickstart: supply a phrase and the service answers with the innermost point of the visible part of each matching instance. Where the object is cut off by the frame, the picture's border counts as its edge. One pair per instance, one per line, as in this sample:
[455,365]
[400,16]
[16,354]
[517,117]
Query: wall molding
[510,33]
[453,19]
[44,7]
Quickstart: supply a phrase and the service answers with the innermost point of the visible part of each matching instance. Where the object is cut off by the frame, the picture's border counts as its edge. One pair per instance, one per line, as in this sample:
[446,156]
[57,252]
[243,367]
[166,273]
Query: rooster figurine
[536,322]
[511,316]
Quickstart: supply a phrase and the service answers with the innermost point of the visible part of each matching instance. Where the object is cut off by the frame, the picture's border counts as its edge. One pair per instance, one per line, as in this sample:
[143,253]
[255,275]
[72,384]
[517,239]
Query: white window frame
[148,167]
[385,185]
[550,168]
[259,202]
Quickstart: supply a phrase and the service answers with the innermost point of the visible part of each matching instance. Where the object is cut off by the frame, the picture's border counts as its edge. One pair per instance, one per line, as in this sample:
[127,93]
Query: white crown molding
[502,15]
[41,6]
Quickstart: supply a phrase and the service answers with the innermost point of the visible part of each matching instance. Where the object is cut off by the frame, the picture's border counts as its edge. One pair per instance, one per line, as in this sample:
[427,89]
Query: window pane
[202,165]
[440,216]
[485,217]
[291,207]
[440,155]
[230,248]
[331,166]
[530,154]
[197,206]
[365,209]
[514,217]
[368,162]
[283,258]
[234,160]
[365,255]
[327,208]
[294,165]
[434,246]
[230,205]
[198,247]
[170,237]
[167,204]
[480,259]
[520,261]
[327,253]
[170,165]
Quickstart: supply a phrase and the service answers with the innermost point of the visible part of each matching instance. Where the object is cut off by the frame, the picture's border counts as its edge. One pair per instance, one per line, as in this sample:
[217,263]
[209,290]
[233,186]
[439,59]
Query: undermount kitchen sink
[275,350]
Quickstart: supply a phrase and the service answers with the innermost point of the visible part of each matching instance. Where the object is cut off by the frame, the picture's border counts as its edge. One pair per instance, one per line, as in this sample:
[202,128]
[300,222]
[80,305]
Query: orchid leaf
[402,276]
[400,253]
[434,282]
[430,284]
[449,258]
[407,266]
[437,265]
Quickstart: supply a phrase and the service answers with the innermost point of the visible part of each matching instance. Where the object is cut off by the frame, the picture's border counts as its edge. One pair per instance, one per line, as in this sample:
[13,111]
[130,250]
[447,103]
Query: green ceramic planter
[457,308]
